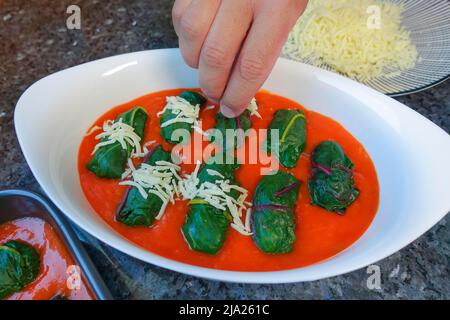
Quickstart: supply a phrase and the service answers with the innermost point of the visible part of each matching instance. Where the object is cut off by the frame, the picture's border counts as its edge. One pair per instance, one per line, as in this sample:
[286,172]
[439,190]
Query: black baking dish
[18,204]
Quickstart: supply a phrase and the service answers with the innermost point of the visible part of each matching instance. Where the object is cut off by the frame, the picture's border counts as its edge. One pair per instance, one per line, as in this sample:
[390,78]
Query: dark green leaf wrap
[292,134]
[134,210]
[206,226]
[273,216]
[223,124]
[19,266]
[331,185]
[194,98]
[109,161]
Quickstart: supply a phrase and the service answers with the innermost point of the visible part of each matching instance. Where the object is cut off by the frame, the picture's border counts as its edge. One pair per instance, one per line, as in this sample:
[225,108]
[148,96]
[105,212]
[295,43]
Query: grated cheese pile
[159,179]
[184,111]
[187,113]
[337,34]
[217,194]
[119,132]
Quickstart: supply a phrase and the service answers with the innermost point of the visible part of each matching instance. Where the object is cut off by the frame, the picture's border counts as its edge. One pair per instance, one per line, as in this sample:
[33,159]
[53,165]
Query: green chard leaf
[223,124]
[206,226]
[292,134]
[194,98]
[109,161]
[19,266]
[134,210]
[331,185]
[273,215]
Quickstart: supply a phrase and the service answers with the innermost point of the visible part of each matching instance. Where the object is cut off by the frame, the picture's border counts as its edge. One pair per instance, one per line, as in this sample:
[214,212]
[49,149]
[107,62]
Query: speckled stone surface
[34,42]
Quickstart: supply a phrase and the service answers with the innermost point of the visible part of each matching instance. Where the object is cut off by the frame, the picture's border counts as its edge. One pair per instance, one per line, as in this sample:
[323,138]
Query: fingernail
[227,111]
[210,99]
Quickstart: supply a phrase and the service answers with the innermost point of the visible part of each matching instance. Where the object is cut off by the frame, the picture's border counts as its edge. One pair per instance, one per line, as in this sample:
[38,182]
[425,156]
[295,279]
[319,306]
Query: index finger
[256,59]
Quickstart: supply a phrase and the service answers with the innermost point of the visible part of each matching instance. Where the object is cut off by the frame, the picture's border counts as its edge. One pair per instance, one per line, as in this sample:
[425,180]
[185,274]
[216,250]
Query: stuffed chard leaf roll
[206,224]
[180,112]
[150,190]
[236,128]
[291,126]
[273,212]
[122,137]
[331,185]
[19,266]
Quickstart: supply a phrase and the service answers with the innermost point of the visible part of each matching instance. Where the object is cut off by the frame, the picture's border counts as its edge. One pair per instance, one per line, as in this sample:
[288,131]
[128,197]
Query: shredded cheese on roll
[217,194]
[184,111]
[159,179]
[92,130]
[122,133]
[118,132]
[144,150]
[187,113]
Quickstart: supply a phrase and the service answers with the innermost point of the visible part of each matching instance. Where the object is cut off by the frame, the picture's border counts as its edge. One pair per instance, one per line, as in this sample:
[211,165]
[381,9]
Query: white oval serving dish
[410,153]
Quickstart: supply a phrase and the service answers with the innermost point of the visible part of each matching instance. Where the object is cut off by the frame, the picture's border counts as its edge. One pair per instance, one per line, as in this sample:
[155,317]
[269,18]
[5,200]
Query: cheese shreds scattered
[253,108]
[92,130]
[144,150]
[248,216]
[342,35]
[118,132]
[187,113]
[214,173]
[217,194]
[164,180]
[159,179]
[240,229]
[184,111]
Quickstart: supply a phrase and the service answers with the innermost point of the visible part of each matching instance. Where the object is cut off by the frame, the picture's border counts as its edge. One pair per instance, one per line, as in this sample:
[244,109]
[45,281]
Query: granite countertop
[35,42]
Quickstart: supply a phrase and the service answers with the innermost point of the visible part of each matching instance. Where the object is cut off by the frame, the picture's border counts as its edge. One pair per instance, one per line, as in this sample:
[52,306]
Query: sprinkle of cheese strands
[159,179]
[144,150]
[290,124]
[253,108]
[119,132]
[92,130]
[184,113]
[217,194]
[163,178]
[214,173]
[187,113]
[248,216]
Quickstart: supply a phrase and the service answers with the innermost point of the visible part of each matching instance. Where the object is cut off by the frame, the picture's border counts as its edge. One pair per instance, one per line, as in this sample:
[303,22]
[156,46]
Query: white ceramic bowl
[410,153]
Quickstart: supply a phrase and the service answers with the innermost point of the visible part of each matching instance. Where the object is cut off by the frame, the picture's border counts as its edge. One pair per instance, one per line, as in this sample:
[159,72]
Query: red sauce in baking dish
[320,234]
[55,260]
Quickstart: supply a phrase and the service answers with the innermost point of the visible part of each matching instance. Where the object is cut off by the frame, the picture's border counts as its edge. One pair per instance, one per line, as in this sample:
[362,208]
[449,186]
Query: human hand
[234,44]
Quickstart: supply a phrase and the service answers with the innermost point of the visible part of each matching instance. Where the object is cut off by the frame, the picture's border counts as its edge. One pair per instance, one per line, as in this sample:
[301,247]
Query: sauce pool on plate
[55,260]
[319,234]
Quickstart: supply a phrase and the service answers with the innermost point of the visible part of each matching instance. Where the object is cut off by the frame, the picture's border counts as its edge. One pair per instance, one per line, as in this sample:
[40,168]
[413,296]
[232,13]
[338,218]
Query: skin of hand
[234,44]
